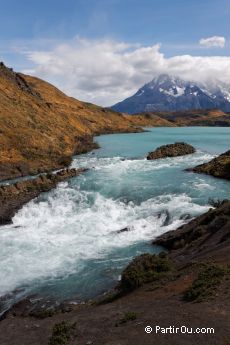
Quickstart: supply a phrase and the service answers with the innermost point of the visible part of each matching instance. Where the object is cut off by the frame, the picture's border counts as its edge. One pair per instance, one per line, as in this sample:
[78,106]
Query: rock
[171,150]
[14,196]
[185,216]
[204,235]
[123,230]
[217,167]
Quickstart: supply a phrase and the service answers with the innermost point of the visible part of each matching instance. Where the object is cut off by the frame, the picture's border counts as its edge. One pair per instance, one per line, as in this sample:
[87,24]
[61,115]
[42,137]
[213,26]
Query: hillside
[211,117]
[171,93]
[41,127]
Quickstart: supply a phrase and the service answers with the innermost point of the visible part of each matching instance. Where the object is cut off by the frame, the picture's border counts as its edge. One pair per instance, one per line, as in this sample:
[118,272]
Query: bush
[129,316]
[61,333]
[144,269]
[205,285]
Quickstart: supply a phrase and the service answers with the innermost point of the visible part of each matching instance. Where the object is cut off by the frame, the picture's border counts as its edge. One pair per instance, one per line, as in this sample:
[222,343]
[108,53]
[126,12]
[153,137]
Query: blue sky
[28,26]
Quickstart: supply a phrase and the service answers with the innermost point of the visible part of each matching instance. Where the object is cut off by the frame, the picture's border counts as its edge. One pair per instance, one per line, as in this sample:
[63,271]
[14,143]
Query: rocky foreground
[171,150]
[14,196]
[217,167]
[188,287]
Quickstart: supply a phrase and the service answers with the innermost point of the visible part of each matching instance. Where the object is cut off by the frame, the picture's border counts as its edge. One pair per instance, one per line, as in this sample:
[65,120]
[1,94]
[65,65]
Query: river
[66,244]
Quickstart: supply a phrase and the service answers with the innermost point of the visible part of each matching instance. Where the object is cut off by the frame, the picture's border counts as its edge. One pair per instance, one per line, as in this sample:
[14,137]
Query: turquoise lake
[66,245]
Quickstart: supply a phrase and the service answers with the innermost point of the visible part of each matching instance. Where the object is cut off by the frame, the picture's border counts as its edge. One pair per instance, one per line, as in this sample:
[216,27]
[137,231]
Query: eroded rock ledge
[171,150]
[205,236]
[217,167]
[13,197]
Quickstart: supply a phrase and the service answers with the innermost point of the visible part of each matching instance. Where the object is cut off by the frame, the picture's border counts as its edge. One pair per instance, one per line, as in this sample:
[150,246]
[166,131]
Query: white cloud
[105,72]
[214,41]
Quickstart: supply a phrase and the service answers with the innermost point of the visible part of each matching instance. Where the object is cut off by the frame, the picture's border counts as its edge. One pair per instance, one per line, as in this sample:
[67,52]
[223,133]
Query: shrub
[205,285]
[61,333]
[144,269]
[128,316]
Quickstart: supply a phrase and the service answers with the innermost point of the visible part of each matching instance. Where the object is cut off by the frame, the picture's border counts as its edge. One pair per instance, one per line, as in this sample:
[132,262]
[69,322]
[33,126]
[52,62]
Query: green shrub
[206,284]
[144,269]
[61,333]
[128,316]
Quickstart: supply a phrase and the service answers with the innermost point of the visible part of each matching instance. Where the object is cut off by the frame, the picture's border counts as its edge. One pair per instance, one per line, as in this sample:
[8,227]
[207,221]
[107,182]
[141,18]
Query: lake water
[65,243]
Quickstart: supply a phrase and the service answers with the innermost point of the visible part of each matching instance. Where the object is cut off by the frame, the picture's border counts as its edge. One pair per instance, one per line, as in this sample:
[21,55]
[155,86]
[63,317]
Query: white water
[62,235]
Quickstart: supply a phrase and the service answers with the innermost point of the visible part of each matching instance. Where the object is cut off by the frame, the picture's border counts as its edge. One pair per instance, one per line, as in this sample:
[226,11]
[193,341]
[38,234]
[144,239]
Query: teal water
[65,244]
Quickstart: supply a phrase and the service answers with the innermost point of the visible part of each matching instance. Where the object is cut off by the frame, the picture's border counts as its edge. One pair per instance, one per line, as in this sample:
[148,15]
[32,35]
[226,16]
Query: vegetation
[61,333]
[206,284]
[226,341]
[43,313]
[144,269]
[51,127]
[128,316]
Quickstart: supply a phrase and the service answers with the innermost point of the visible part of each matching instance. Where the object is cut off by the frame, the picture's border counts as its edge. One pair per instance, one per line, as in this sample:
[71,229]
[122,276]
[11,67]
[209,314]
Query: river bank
[14,196]
[174,299]
[79,223]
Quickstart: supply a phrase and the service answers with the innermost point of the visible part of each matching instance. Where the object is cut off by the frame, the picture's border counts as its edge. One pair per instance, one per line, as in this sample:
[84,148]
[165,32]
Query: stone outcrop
[171,150]
[206,235]
[217,167]
[14,196]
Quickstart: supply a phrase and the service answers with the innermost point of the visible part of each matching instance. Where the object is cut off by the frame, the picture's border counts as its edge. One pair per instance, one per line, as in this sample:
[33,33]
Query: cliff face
[41,127]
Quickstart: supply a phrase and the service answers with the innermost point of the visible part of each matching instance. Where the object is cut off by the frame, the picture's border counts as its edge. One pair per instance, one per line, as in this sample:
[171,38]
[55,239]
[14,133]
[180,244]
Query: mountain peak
[172,93]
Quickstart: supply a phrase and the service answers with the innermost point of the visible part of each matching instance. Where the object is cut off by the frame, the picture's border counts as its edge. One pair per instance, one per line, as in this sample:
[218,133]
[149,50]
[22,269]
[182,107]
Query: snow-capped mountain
[170,93]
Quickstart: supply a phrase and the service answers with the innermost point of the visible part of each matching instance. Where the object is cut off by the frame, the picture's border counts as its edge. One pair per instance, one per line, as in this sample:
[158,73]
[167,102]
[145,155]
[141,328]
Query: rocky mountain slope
[41,128]
[170,93]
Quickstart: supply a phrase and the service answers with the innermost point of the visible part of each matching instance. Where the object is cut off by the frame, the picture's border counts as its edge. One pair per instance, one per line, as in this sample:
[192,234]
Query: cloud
[106,71]
[214,41]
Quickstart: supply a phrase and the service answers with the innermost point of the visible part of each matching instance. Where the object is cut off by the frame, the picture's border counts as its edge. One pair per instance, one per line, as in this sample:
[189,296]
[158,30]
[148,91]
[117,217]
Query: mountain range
[41,128]
[170,93]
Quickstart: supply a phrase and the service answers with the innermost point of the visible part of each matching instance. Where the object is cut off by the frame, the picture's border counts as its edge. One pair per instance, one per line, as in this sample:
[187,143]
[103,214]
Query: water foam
[57,234]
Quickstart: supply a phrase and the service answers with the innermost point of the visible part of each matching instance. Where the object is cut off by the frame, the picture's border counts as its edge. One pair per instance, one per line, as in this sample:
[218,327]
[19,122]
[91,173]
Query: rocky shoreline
[188,286]
[205,236]
[14,196]
[217,167]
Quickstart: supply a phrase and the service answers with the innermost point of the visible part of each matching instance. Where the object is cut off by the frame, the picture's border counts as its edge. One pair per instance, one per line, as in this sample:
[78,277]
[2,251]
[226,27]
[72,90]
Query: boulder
[171,150]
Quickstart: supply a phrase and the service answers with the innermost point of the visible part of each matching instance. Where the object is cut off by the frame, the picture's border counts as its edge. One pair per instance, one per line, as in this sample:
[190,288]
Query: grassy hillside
[212,117]
[41,127]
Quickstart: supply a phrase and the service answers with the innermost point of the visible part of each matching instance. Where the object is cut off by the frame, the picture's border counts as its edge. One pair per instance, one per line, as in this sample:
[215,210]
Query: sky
[102,51]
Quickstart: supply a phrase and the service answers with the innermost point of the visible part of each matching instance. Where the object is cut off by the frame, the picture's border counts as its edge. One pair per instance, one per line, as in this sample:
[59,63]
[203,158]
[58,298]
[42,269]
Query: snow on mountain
[171,93]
